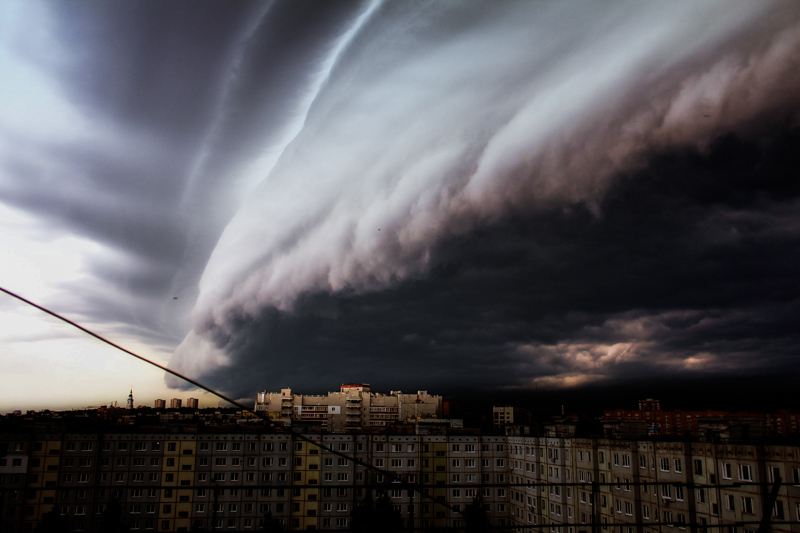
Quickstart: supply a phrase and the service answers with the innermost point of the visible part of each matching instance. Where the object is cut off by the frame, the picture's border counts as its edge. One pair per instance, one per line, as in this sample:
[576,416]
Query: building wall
[176,482]
[353,408]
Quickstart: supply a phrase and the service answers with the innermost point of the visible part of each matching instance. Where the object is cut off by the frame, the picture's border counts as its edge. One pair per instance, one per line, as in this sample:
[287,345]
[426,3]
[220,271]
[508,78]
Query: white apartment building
[353,408]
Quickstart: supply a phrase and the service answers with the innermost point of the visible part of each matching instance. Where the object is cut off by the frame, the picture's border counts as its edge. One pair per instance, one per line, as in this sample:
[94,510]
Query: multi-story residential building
[683,423]
[353,408]
[232,478]
[503,416]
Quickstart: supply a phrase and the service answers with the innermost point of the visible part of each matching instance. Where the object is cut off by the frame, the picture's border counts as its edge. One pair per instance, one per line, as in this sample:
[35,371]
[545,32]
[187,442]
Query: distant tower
[193,403]
[130,400]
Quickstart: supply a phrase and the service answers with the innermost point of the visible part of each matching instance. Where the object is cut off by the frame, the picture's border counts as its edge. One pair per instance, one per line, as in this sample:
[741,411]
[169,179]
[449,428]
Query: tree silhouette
[271,524]
[52,522]
[475,516]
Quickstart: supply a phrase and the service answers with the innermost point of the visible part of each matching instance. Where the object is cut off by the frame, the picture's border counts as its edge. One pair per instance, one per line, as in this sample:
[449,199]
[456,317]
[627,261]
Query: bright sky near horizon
[414,195]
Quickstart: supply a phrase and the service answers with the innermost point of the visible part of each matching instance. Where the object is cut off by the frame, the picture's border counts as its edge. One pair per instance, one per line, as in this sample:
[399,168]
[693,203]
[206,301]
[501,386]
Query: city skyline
[509,197]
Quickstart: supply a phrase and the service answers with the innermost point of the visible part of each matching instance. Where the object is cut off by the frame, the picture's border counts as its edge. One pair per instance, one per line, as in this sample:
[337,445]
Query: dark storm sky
[415,195]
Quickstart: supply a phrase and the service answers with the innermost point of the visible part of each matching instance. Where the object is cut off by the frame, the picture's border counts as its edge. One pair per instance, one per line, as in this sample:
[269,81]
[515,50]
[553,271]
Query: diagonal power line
[404,483]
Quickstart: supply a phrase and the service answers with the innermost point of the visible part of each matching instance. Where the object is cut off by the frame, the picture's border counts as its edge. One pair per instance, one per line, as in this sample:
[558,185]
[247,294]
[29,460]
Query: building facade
[236,480]
[352,408]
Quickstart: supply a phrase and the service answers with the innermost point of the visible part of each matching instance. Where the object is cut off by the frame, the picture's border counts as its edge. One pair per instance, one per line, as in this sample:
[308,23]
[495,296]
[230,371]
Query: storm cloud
[429,195]
[494,136]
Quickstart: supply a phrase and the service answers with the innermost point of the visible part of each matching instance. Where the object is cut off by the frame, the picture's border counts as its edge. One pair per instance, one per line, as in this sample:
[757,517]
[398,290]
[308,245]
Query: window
[701,495]
[777,511]
[698,467]
[664,464]
[678,466]
[666,492]
[726,471]
[747,505]
[646,512]
[616,459]
[221,446]
[626,461]
[745,473]
[729,502]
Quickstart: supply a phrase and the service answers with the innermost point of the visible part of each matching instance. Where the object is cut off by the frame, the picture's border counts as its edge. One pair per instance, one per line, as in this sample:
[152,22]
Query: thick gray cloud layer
[436,123]
[423,193]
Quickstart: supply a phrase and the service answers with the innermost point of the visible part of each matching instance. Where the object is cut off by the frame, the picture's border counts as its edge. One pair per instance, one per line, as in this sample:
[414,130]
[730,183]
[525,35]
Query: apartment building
[353,408]
[782,423]
[234,480]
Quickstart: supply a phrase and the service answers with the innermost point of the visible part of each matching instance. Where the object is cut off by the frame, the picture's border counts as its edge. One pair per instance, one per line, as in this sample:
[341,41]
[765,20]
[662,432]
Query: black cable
[118,347]
[391,475]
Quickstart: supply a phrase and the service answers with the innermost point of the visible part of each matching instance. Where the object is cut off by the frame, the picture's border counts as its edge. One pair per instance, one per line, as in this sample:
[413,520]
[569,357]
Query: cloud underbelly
[432,126]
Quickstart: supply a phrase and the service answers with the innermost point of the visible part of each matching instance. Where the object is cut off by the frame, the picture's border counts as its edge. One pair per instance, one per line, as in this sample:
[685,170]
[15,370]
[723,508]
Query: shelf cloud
[435,124]
[434,195]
